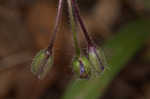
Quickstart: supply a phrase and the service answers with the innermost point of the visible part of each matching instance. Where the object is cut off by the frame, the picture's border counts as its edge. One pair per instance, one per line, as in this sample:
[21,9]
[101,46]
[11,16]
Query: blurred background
[26,27]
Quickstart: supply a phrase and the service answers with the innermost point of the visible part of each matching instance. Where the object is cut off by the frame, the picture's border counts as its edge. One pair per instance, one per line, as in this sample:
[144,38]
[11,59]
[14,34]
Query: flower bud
[82,67]
[41,63]
[97,59]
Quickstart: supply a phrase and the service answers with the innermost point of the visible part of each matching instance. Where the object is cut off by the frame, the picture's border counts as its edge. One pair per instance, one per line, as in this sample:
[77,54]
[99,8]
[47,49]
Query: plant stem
[77,15]
[58,17]
[73,26]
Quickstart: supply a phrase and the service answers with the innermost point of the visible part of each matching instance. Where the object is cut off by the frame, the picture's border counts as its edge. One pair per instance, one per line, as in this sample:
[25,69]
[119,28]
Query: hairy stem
[73,27]
[77,15]
[58,17]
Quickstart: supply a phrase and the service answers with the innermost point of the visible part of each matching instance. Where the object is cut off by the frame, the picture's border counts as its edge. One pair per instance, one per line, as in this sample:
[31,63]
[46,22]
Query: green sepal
[41,64]
[98,60]
[86,66]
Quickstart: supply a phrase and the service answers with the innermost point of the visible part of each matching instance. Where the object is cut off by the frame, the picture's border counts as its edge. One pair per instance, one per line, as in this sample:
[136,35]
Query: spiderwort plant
[95,55]
[84,66]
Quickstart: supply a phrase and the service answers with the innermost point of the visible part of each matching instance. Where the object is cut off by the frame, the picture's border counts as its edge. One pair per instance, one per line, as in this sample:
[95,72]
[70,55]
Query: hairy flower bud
[97,59]
[82,67]
[42,62]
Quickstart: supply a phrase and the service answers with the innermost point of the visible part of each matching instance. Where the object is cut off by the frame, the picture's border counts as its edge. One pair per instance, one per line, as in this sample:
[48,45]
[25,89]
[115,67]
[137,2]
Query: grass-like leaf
[124,45]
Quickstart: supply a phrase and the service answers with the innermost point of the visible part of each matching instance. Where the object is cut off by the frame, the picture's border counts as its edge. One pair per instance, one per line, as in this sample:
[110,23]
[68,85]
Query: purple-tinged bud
[97,59]
[41,63]
[82,67]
